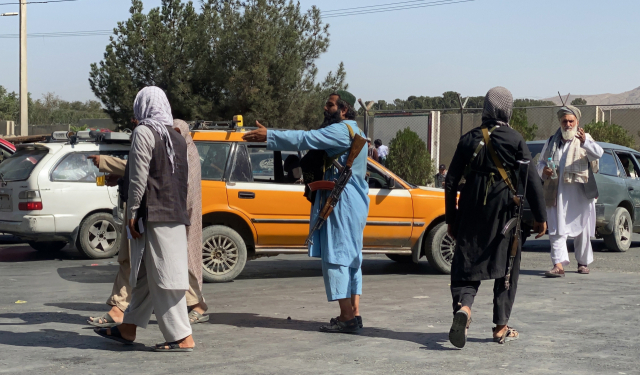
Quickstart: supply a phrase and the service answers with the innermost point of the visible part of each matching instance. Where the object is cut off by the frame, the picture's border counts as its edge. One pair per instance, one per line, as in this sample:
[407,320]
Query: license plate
[5,202]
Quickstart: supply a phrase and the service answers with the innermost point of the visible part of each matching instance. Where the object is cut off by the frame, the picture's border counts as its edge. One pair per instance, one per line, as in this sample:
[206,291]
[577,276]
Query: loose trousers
[169,306]
[464,293]
[121,291]
[582,248]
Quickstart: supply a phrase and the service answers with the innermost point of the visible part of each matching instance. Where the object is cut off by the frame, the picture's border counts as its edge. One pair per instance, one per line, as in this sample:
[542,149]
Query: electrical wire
[40,2]
[396,8]
[370,7]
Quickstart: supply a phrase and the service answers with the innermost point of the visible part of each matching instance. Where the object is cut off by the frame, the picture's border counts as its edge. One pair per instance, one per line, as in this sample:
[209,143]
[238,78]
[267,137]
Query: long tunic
[574,212]
[170,257]
[339,241]
[481,251]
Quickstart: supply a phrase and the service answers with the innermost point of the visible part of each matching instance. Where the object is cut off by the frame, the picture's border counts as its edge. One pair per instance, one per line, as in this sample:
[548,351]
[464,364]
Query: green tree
[603,131]
[579,101]
[255,58]
[408,158]
[520,123]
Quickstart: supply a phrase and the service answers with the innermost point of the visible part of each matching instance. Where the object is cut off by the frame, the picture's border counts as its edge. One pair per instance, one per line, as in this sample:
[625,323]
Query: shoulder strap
[351,133]
[496,160]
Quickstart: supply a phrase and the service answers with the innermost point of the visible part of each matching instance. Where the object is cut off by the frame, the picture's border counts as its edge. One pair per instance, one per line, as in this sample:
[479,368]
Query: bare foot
[127,331]
[200,308]
[116,314]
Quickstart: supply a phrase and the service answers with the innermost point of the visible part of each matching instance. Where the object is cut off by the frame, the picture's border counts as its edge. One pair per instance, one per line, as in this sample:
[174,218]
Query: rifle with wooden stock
[516,221]
[357,145]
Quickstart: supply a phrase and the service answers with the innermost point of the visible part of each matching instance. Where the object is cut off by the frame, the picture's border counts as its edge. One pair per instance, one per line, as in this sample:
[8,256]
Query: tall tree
[255,58]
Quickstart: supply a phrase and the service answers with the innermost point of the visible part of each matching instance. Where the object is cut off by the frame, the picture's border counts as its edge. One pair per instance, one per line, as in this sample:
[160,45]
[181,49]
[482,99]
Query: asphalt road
[266,320]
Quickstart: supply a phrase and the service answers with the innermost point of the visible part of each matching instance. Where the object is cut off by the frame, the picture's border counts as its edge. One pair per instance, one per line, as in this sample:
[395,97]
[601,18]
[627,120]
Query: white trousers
[581,244]
[169,306]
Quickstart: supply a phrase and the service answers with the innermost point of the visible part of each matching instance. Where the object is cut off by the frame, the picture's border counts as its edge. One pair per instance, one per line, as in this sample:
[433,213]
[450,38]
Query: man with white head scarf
[484,208]
[570,192]
[157,175]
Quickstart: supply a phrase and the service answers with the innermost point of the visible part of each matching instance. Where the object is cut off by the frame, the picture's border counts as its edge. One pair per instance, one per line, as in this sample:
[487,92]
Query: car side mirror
[391,182]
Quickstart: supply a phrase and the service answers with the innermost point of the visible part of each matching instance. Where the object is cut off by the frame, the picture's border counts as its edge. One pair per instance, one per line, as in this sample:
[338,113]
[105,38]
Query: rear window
[19,165]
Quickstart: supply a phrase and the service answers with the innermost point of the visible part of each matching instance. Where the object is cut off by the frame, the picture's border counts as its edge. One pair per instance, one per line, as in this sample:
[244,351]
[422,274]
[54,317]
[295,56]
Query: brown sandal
[509,334]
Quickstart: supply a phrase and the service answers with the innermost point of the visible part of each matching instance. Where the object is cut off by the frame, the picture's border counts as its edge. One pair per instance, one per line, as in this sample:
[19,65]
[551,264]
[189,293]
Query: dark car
[618,203]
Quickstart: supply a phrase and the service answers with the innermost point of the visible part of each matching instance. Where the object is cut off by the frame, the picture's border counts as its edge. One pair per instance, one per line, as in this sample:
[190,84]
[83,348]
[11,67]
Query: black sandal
[336,326]
[106,318]
[459,327]
[509,334]
[173,347]
[115,335]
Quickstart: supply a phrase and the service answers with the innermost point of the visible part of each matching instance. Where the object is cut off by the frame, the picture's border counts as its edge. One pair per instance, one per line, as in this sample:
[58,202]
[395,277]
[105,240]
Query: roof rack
[89,136]
[233,125]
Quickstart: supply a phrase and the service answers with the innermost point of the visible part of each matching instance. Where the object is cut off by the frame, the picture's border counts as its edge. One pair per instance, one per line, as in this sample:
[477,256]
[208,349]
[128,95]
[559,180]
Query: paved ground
[266,321]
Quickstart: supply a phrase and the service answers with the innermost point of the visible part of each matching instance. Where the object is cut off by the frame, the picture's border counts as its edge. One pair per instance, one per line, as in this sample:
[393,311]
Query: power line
[60,34]
[370,7]
[396,8]
[40,2]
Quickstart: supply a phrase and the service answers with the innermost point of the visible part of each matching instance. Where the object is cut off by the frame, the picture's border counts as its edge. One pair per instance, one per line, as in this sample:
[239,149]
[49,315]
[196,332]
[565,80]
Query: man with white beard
[570,193]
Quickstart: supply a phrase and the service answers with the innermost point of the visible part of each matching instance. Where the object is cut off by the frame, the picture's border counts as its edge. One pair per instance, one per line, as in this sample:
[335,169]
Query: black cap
[442,166]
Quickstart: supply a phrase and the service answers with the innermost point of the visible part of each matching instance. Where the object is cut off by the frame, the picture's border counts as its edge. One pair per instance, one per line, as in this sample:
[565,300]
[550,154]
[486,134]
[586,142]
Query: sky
[533,47]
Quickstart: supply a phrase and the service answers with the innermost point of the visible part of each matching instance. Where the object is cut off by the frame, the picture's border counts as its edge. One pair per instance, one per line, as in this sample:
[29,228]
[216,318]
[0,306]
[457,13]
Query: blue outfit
[339,241]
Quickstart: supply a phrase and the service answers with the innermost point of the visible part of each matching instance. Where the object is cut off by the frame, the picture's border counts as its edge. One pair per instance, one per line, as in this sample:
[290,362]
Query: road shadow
[430,341]
[281,269]
[543,246]
[100,274]
[24,253]
[52,338]
[79,306]
[30,318]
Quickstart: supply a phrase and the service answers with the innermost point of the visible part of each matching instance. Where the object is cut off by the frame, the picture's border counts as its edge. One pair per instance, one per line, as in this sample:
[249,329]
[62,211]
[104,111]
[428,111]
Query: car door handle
[246,195]
[630,187]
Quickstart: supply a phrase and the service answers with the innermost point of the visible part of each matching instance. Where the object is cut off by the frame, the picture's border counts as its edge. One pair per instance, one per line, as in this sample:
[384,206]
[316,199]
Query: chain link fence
[441,129]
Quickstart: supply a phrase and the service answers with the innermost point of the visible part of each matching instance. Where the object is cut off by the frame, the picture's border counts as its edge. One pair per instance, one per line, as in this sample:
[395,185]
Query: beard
[330,119]
[569,134]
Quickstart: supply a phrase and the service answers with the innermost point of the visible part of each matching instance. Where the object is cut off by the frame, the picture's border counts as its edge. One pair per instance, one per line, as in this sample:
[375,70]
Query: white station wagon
[49,196]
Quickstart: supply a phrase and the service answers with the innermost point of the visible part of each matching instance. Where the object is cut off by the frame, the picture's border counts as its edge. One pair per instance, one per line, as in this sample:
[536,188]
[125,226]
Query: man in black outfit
[485,206]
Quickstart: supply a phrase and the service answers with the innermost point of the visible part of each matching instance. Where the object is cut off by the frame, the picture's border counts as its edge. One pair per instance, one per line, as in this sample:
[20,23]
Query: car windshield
[19,165]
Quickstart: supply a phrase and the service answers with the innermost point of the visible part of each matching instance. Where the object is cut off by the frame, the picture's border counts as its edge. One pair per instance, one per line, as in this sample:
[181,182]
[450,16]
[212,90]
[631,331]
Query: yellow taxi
[253,206]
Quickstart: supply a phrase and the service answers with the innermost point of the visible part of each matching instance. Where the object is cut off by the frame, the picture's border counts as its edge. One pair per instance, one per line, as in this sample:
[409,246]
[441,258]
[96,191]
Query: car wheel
[400,258]
[99,236]
[439,247]
[620,239]
[224,254]
[48,246]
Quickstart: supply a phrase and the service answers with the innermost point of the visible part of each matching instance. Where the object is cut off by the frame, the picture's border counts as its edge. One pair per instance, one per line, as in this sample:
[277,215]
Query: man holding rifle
[495,161]
[340,201]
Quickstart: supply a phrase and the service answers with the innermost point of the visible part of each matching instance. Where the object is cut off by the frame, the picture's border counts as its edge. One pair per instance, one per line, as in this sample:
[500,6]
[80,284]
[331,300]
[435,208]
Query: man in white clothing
[566,165]
[383,151]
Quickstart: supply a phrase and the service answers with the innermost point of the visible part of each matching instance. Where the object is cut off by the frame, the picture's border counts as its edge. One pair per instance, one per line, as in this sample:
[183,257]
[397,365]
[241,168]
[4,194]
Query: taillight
[30,206]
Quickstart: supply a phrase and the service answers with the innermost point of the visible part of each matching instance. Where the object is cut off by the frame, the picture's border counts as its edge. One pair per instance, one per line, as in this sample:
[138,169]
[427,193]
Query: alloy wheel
[102,235]
[219,254]
[447,247]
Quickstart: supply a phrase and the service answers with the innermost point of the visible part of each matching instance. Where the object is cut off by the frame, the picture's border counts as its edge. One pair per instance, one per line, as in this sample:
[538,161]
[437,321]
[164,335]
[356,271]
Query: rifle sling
[496,160]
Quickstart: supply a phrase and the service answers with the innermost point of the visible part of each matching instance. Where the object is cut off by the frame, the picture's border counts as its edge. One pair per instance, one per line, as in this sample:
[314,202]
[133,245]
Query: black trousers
[464,292]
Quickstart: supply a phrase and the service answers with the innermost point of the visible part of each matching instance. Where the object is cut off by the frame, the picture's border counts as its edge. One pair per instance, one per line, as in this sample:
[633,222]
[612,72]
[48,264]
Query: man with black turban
[485,205]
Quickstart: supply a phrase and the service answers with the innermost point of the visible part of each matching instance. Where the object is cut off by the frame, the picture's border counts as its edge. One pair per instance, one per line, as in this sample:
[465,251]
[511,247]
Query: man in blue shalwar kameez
[339,242]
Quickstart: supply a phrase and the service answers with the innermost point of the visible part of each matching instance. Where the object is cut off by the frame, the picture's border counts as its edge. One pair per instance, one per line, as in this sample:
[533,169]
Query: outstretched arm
[334,136]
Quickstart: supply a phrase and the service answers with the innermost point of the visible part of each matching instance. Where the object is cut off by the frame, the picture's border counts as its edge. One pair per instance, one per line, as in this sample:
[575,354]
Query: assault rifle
[357,145]
[515,222]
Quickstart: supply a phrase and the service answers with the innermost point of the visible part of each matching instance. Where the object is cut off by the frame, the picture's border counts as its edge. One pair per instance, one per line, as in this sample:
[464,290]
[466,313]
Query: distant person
[441,176]
[383,151]
[570,198]
[625,163]
[373,152]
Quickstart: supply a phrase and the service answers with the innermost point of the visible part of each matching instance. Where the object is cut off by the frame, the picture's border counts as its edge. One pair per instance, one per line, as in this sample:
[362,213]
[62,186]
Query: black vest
[165,198]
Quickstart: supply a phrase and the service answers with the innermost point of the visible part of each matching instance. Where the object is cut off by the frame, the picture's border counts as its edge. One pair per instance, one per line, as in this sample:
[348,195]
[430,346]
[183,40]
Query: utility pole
[24,91]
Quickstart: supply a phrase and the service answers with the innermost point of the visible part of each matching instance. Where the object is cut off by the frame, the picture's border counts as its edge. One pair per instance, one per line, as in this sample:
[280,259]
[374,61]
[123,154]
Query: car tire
[48,246]
[439,248]
[224,254]
[620,239]
[400,258]
[99,236]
